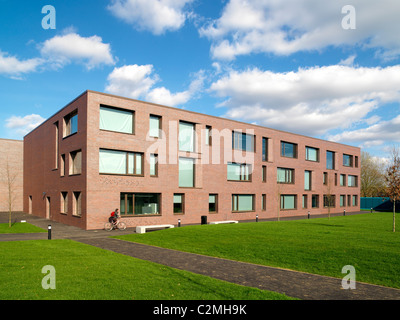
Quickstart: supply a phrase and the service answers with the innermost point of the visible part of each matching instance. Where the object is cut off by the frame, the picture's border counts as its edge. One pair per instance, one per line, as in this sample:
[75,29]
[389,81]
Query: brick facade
[45,188]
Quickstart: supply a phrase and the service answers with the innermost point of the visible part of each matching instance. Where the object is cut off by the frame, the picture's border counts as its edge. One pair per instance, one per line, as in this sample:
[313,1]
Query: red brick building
[158,164]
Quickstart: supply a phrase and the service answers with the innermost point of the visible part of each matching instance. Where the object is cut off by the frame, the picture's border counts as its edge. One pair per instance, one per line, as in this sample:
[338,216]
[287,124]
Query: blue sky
[313,67]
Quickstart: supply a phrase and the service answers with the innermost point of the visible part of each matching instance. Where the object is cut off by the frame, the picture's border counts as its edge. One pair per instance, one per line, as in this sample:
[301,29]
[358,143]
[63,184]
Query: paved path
[292,283]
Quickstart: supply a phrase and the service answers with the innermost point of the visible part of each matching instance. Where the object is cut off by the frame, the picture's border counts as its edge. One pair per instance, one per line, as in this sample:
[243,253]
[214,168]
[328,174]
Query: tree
[393,181]
[373,183]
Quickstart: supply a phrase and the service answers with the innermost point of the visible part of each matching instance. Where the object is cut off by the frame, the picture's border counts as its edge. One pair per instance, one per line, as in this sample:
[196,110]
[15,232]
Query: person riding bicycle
[114,217]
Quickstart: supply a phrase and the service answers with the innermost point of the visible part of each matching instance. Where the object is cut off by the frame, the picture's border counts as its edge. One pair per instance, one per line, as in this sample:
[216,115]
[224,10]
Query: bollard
[371,210]
[179,222]
[49,232]
[308,214]
[344,212]
[256,217]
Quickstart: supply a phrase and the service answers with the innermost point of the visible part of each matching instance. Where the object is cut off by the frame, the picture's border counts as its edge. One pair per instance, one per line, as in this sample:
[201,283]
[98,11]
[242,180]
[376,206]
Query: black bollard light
[256,217]
[179,222]
[49,232]
[344,212]
[308,214]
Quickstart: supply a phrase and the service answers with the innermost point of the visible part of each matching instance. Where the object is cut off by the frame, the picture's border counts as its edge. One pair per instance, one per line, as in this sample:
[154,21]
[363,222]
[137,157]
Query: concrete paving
[292,283]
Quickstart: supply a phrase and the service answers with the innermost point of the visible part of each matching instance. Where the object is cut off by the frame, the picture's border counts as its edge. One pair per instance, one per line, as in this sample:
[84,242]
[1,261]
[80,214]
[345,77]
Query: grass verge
[19,228]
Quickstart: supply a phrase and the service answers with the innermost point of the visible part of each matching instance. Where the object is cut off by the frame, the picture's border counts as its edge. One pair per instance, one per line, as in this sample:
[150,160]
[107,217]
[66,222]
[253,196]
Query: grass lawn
[19,228]
[86,272]
[318,246]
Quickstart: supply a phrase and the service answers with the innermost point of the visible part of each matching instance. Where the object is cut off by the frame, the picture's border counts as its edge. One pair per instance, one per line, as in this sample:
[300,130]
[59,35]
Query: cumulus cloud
[286,27]
[13,67]
[137,82]
[23,125]
[63,49]
[310,101]
[156,16]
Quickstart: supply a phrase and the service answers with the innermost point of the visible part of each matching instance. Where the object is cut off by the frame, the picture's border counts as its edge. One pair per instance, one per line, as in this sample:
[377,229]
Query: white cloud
[23,125]
[156,16]
[91,51]
[286,27]
[14,67]
[310,101]
[137,82]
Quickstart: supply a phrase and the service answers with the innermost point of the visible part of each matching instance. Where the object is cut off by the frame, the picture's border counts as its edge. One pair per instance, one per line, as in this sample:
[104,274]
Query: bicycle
[118,225]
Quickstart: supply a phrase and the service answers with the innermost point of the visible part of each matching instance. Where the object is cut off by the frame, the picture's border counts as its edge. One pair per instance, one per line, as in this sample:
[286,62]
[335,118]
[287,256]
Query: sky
[321,68]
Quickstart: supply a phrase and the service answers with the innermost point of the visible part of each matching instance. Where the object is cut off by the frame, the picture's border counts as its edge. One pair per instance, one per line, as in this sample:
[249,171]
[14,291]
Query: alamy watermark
[49,280]
[49,20]
[349,280]
[349,20]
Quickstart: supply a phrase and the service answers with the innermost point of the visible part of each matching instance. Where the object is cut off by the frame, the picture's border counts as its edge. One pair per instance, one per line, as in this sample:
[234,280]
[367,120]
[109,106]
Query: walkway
[292,283]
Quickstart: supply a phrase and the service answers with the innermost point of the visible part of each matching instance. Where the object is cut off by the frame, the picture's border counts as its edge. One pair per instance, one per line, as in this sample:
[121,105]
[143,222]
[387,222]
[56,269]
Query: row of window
[150,203]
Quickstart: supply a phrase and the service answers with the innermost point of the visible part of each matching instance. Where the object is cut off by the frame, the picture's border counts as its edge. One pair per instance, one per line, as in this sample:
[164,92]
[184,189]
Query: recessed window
[264,173]
[155,126]
[342,180]
[120,162]
[186,136]
[64,202]
[239,172]
[312,154]
[242,202]
[351,181]
[208,136]
[307,180]
[263,202]
[355,201]
[288,150]
[264,149]
[186,172]
[140,204]
[342,200]
[304,201]
[315,201]
[330,160]
[118,120]
[70,123]
[179,201]
[288,202]
[329,201]
[213,203]
[347,160]
[285,175]
[153,165]
[242,141]
[77,204]
[75,162]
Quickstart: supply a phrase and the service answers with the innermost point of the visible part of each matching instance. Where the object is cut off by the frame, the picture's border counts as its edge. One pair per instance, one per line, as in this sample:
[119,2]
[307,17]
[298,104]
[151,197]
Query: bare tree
[393,180]
[10,179]
[373,183]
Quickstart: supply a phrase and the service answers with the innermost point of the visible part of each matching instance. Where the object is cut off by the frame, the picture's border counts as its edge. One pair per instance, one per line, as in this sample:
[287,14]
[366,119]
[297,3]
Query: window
[70,123]
[315,201]
[120,162]
[263,202]
[186,172]
[307,180]
[349,200]
[242,141]
[62,165]
[288,149]
[140,203]
[64,202]
[325,178]
[304,204]
[155,126]
[179,203]
[77,206]
[153,165]
[264,149]
[288,202]
[329,201]
[351,181]
[186,136]
[312,154]
[285,175]
[356,161]
[264,173]
[242,202]
[347,160]
[213,203]
[56,145]
[342,180]
[330,160]
[355,201]
[342,200]
[75,162]
[239,172]
[208,137]
[113,119]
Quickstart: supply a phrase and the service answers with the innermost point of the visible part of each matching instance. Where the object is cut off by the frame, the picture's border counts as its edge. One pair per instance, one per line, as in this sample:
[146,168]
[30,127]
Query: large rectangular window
[239,172]
[330,160]
[347,160]
[315,201]
[186,136]
[113,119]
[242,202]
[288,149]
[155,126]
[186,172]
[140,203]
[70,123]
[351,181]
[75,162]
[285,175]
[312,154]
[120,162]
[329,201]
[307,180]
[288,202]
[242,141]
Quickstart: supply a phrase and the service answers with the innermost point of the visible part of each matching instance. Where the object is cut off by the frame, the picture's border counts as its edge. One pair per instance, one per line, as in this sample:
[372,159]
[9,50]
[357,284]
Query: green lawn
[319,246]
[86,272]
[19,228]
